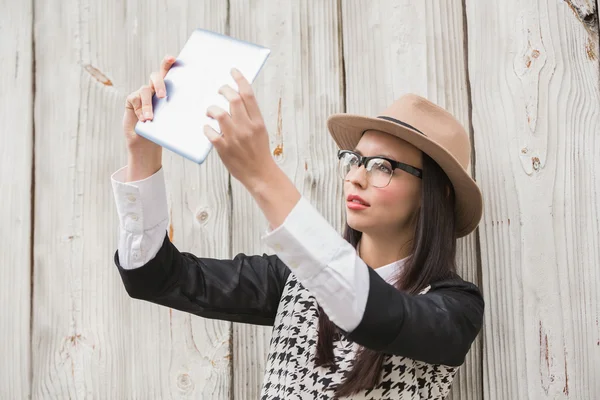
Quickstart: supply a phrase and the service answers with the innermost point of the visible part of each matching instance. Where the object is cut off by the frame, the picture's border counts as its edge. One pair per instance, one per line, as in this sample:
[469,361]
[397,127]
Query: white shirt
[323,261]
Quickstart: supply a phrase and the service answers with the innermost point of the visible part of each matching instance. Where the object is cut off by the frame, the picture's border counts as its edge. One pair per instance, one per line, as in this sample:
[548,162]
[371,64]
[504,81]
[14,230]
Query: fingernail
[161,93]
[235,72]
[147,114]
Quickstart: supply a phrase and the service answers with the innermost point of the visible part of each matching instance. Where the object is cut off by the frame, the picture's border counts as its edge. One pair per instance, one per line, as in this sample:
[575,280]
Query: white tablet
[192,83]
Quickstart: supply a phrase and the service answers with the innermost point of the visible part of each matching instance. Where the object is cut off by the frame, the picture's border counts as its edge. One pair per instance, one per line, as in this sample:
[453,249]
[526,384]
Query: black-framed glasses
[379,169]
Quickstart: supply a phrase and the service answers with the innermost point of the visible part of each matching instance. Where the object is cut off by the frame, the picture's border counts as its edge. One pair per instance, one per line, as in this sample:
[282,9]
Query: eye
[381,166]
[350,159]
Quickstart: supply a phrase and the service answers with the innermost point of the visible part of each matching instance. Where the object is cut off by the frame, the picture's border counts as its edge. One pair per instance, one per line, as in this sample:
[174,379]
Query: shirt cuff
[324,262]
[141,204]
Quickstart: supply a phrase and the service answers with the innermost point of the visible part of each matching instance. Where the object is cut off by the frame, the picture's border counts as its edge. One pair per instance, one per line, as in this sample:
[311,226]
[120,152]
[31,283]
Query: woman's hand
[138,107]
[144,156]
[243,144]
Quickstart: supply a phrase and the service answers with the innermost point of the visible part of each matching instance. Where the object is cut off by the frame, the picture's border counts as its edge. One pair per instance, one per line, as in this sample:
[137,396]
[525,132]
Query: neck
[379,250]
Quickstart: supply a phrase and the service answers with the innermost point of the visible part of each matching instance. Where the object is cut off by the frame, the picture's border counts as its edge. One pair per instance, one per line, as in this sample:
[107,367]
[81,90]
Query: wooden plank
[16,146]
[533,68]
[89,338]
[297,89]
[400,46]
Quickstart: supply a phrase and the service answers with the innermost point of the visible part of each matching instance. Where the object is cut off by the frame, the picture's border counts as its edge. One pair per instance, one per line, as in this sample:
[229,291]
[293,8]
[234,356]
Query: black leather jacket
[437,327]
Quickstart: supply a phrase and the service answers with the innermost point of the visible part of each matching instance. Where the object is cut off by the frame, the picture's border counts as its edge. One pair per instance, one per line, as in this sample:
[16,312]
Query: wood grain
[16,147]
[524,76]
[396,47]
[89,338]
[297,89]
[536,113]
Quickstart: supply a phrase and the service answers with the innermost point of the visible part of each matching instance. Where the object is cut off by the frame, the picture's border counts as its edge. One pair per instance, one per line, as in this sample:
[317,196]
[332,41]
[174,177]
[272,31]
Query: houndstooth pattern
[291,372]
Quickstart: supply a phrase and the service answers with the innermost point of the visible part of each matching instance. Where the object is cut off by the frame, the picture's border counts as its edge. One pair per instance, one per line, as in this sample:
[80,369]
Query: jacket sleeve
[437,327]
[243,289]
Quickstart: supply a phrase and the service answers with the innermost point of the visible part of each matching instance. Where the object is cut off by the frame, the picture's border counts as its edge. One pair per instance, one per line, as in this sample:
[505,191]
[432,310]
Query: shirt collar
[390,271]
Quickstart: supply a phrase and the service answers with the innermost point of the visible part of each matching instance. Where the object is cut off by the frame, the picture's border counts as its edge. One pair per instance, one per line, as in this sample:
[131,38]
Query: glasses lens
[380,172]
[348,162]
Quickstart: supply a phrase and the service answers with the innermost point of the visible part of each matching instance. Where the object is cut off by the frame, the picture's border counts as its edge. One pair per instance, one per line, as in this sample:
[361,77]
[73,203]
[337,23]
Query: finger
[213,136]
[146,95]
[135,103]
[158,84]
[222,117]
[166,65]
[247,95]
[236,104]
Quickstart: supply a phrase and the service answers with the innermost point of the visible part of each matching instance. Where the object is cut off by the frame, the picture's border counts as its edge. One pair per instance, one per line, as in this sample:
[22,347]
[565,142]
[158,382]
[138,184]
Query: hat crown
[434,122]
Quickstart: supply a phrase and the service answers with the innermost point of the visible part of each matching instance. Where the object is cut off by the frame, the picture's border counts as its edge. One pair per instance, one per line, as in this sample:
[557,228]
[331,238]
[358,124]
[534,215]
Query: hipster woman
[378,313]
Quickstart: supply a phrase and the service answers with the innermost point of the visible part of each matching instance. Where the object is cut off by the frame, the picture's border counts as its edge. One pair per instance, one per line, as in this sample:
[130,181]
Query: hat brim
[347,129]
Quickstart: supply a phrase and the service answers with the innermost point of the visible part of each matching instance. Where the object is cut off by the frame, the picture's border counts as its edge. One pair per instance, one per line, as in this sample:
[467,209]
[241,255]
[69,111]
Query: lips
[357,199]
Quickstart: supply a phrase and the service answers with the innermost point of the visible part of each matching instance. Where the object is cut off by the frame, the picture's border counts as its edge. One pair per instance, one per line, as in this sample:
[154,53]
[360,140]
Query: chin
[367,225]
[356,223]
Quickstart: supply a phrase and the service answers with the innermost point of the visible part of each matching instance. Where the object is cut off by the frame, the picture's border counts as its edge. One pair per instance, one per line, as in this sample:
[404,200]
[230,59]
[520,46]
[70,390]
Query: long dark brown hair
[432,259]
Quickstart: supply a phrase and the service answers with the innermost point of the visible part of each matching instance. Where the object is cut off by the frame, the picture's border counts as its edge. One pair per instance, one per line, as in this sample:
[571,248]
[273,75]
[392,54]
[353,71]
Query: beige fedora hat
[435,132]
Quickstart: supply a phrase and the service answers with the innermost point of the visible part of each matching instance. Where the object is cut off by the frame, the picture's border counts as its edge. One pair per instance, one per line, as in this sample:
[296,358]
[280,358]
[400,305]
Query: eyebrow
[378,155]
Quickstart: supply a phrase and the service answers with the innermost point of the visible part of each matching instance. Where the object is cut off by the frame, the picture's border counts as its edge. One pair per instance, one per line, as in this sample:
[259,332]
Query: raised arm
[244,289]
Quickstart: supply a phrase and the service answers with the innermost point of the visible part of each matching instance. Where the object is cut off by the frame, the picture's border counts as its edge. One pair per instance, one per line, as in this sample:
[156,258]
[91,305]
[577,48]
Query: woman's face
[390,208]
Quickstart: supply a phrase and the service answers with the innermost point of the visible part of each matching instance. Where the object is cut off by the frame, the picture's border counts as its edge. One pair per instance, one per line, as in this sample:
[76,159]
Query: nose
[358,176]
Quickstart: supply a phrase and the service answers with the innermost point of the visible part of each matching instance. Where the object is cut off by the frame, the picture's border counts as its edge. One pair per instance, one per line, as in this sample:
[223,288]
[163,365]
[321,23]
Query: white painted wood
[89,338]
[298,88]
[16,146]
[396,47]
[536,114]
[533,74]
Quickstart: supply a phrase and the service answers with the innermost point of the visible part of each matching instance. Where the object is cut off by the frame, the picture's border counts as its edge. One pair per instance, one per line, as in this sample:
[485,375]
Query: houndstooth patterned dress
[291,372]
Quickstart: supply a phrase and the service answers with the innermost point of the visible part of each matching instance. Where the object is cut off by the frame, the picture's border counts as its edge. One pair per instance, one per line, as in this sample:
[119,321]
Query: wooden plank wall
[89,338]
[534,77]
[16,148]
[522,76]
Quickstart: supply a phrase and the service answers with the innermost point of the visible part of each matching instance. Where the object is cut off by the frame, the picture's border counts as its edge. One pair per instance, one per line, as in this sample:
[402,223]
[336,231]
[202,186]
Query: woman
[379,314]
